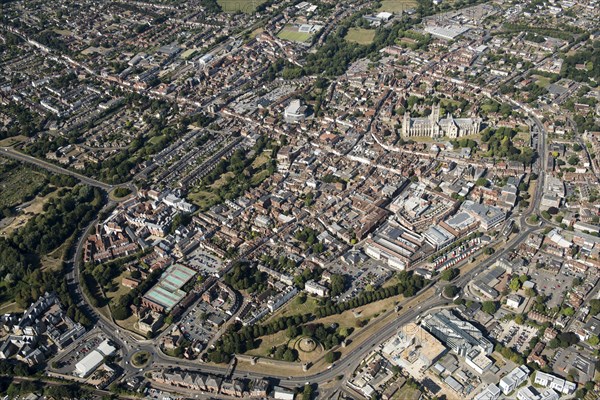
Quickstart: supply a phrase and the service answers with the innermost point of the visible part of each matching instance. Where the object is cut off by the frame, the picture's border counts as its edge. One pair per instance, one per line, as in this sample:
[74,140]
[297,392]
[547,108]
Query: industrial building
[93,360]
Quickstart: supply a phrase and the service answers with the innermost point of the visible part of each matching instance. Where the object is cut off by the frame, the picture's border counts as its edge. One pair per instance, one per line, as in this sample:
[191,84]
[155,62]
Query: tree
[449,274]
[490,307]
[331,357]
[515,284]
[573,160]
[121,312]
[568,311]
[481,182]
[338,284]
[451,291]
[307,392]
[594,306]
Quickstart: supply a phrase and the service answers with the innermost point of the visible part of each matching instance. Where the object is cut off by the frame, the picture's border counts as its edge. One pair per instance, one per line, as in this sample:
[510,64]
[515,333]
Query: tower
[406,124]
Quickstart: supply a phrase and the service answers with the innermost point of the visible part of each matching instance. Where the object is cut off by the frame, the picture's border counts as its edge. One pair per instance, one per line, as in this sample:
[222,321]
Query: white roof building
[283,393]
[514,379]
[554,382]
[491,392]
[93,360]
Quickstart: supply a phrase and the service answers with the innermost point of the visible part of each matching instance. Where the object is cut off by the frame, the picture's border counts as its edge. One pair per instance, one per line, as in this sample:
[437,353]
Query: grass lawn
[267,342]
[188,53]
[542,81]
[407,393]
[256,32]
[291,33]
[294,308]
[128,323]
[53,260]
[397,5]
[360,35]
[369,311]
[259,177]
[11,141]
[121,290]
[63,32]
[10,308]
[223,180]
[263,158]
[203,199]
[525,136]
[156,139]
[140,359]
[246,6]
[424,139]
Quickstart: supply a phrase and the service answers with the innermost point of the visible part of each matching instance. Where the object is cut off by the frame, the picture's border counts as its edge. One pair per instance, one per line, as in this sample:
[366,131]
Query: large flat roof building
[167,293]
[93,360]
[488,216]
[412,344]
[461,336]
[295,111]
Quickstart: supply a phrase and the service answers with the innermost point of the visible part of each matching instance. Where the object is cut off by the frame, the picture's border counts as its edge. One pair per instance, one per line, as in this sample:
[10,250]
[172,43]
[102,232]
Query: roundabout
[140,359]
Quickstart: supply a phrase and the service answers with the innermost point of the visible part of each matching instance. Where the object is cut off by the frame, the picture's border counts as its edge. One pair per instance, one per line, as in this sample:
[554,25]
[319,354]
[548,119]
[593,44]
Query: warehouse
[93,360]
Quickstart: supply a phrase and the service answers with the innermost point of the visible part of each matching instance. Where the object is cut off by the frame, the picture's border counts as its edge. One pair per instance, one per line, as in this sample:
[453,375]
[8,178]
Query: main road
[9,152]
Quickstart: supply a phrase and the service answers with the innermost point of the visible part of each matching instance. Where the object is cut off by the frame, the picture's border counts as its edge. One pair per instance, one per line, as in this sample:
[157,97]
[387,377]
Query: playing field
[395,6]
[291,33]
[246,6]
[360,35]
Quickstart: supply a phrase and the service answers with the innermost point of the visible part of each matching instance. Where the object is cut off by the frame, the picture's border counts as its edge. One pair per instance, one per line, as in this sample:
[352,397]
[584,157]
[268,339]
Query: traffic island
[140,359]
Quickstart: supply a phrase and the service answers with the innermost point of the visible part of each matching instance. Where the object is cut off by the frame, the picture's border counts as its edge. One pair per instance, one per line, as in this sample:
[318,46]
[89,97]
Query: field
[291,33]
[394,6]
[121,290]
[246,6]
[360,35]
[18,185]
[407,393]
[223,180]
[263,158]
[34,208]
[11,141]
[203,199]
[259,177]
[542,81]
[293,308]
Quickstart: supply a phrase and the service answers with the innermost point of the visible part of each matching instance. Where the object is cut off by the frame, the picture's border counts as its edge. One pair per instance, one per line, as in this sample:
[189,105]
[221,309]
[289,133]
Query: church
[434,126]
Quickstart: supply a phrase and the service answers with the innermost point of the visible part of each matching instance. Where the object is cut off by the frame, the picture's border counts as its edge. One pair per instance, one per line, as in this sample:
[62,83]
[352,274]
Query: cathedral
[434,126]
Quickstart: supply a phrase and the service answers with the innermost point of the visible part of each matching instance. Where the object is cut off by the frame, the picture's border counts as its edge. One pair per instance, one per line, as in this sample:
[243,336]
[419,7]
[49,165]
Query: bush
[122,192]
[332,356]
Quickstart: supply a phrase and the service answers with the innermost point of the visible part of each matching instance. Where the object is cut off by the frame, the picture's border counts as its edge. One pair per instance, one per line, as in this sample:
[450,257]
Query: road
[16,155]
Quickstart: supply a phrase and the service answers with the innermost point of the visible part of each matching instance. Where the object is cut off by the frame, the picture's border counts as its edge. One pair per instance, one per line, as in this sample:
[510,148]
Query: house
[314,288]
[514,379]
